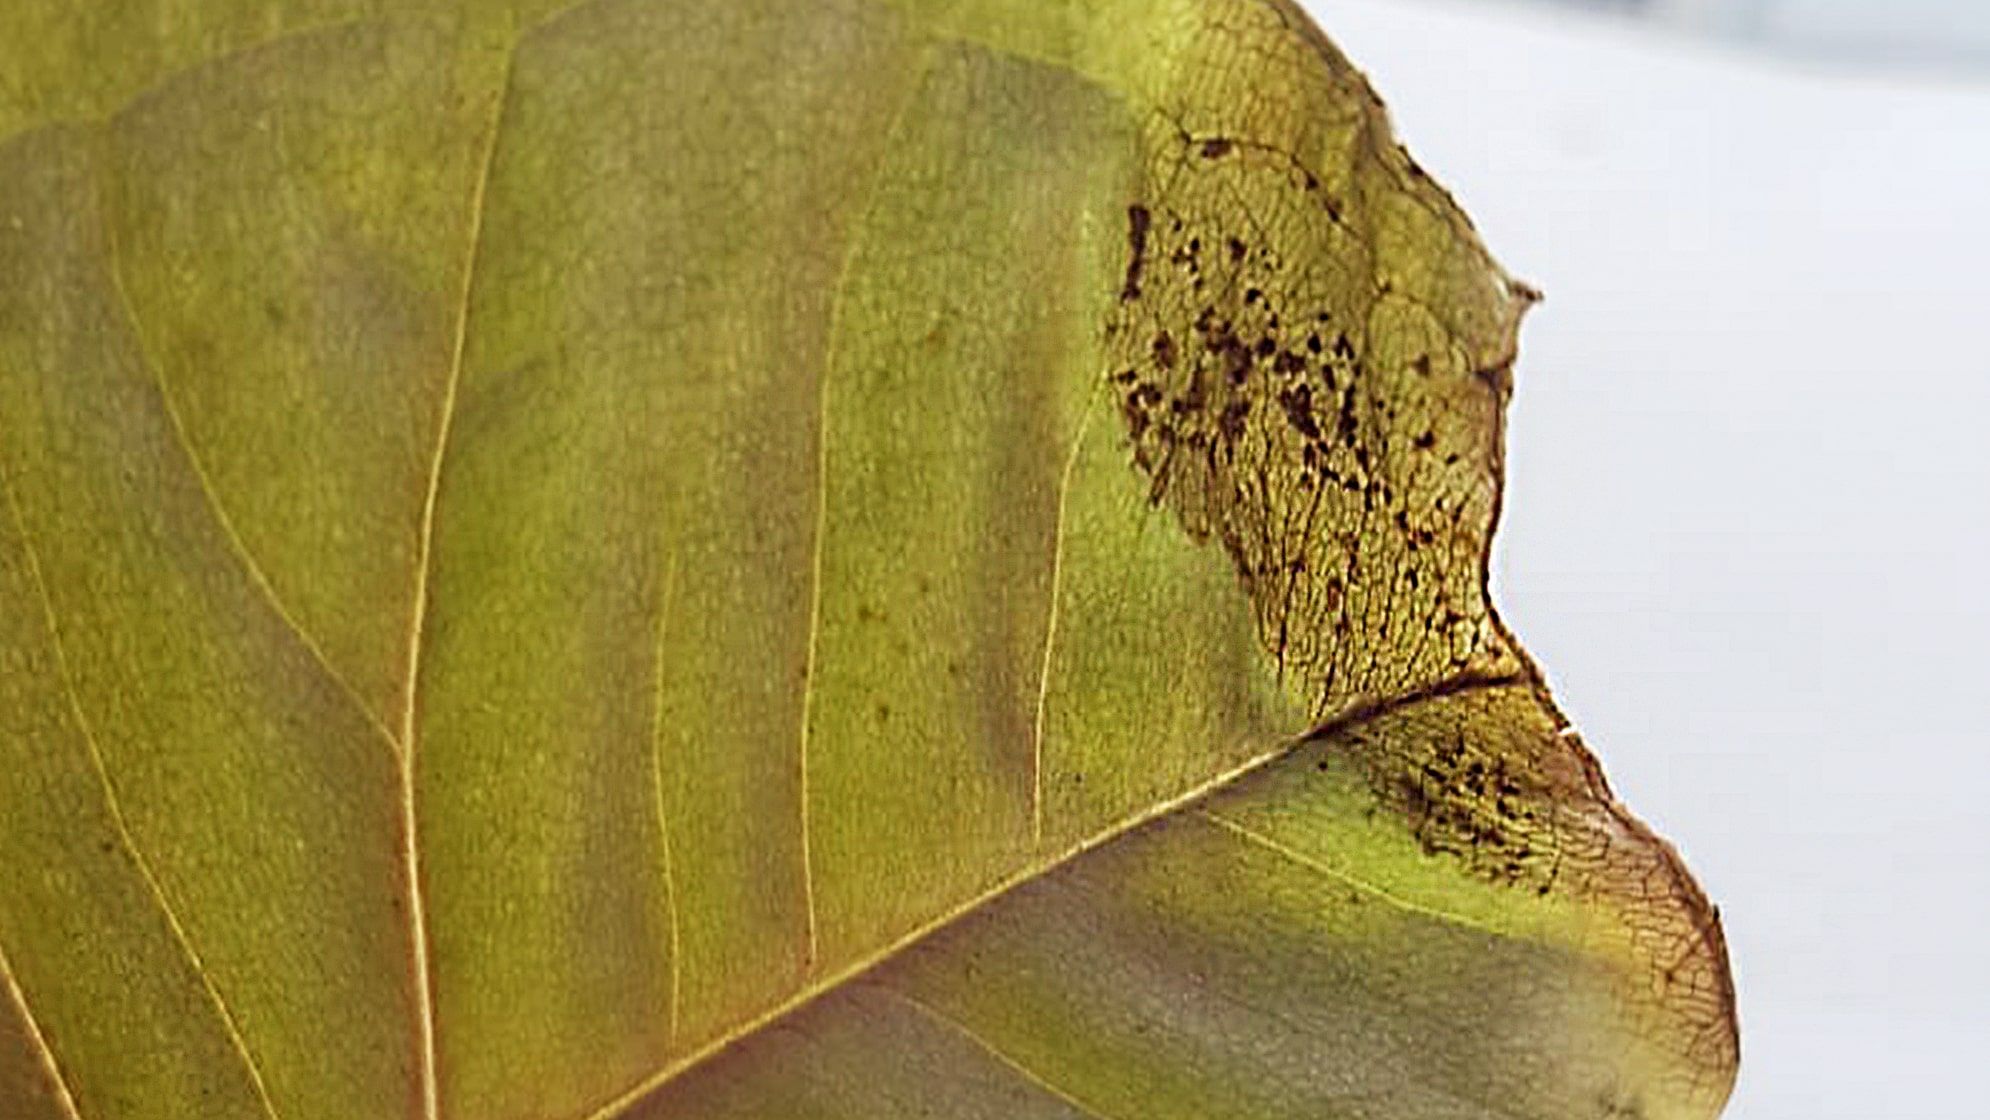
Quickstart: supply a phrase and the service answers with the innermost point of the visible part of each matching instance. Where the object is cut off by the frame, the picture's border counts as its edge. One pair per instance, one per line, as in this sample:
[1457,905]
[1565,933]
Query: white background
[1748,511]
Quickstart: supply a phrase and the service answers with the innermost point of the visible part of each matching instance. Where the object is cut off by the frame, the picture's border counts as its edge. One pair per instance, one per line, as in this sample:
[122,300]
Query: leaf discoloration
[1313,419]
[929,486]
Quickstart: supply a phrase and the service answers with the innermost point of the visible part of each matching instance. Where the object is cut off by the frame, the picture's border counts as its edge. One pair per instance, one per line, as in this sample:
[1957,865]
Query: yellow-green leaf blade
[1296,945]
[557,537]
[248,799]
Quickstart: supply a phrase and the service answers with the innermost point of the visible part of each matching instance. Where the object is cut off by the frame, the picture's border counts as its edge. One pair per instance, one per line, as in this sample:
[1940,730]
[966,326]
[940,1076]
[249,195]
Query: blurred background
[1953,34]
[1748,511]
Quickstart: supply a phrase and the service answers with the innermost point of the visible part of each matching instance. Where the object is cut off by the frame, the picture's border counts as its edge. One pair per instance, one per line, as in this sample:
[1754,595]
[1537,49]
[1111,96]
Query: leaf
[777,559]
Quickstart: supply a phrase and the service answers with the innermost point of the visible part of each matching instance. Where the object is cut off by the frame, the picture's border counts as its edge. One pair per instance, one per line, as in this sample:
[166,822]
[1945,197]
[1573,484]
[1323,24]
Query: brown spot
[1498,378]
[1298,405]
[1138,221]
[1234,416]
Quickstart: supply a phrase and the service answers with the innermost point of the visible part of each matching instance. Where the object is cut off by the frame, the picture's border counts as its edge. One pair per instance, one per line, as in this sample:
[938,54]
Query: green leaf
[786,558]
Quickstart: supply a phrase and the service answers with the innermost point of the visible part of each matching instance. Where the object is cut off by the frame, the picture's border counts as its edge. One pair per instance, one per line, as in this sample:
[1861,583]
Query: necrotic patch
[1284,395]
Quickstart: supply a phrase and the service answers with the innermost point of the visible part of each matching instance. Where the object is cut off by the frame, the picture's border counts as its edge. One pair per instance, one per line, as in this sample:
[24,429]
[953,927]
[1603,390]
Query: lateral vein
[1050,623]
[1355,716]
[822,509]
[43,1051]
[1008,1061]
[1254,838]
[673,908]
[258,578]
[230,1027]
[618,1106]
[815,626]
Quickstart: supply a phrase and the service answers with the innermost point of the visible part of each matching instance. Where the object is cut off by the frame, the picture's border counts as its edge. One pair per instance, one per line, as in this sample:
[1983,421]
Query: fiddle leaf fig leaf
[775,559]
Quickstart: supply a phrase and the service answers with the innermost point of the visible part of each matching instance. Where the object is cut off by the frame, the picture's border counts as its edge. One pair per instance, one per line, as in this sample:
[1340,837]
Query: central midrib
[424,985]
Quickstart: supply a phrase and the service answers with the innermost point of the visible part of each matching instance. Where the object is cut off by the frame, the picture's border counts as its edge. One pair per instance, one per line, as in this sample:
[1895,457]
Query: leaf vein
[815,612]
[620,1105]
[229,1025]
[1251,837]
[43,1051]
[1050,623]
[850,250]
[673,907]
[425,1026]
[258,578]
[1007,1060]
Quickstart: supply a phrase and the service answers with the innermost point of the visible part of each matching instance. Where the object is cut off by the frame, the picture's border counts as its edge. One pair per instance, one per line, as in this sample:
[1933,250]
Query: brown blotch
[1138,221]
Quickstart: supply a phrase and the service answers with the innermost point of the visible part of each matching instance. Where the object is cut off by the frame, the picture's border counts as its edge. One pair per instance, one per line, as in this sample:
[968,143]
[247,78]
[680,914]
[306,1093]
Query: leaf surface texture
[777,559]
